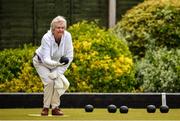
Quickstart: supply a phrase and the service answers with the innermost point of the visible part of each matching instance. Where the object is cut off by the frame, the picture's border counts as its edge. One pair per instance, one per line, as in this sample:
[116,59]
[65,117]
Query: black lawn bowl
[151,108]
[64,60]
[112,108]
[164,109]
[123,109]
[89,108]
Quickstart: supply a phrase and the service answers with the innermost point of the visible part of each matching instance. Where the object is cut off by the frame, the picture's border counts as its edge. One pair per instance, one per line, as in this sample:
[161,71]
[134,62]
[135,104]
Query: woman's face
[59,30]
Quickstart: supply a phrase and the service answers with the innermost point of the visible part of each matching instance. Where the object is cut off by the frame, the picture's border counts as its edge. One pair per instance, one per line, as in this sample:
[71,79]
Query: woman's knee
[50,84]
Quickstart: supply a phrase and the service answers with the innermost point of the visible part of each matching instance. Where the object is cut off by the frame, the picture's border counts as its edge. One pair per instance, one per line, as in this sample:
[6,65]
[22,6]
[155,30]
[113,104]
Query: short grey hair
[56,20]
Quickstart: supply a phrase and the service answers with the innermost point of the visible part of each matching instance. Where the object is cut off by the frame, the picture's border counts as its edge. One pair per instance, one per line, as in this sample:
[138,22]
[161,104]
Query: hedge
[156,20]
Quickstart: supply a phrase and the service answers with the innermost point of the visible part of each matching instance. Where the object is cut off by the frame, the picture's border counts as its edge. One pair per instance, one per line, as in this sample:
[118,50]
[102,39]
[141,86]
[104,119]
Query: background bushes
[152,19]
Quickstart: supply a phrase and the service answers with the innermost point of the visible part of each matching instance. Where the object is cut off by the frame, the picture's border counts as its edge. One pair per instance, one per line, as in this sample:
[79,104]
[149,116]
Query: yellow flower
[74,66]
[118,72]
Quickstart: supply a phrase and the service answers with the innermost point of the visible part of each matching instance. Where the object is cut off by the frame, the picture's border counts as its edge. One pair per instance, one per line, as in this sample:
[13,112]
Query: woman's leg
[55,102]
[48,83]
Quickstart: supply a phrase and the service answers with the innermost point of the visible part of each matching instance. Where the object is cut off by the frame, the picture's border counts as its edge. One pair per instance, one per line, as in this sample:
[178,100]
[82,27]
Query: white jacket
[50,53]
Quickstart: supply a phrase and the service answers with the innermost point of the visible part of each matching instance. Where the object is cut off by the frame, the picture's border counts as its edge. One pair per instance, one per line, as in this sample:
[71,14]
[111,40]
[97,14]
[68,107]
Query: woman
[55,44]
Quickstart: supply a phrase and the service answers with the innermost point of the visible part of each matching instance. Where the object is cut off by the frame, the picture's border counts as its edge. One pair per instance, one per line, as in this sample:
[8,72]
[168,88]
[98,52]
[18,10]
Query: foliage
[102,62]
[11,61]
[17,73]
[152,19]
[27,81]
[159,71]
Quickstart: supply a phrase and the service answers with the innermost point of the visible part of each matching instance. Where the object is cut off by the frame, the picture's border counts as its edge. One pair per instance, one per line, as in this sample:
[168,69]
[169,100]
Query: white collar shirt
[50,50]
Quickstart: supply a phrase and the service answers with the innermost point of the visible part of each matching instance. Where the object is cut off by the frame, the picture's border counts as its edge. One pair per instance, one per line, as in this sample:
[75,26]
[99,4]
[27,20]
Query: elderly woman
[55,44]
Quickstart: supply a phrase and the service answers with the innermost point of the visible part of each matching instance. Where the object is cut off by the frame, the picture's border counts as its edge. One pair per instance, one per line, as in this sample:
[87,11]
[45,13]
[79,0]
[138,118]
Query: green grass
[80,114]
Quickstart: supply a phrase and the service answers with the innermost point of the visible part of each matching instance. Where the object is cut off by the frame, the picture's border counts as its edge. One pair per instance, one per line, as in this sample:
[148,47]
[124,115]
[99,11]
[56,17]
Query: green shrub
[17,73]
[11,61]
[152,19]
[102,62]
[159,71]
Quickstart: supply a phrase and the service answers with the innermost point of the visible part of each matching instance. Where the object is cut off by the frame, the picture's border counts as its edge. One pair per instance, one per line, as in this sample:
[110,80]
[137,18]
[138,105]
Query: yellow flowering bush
[102,62]
[25,82]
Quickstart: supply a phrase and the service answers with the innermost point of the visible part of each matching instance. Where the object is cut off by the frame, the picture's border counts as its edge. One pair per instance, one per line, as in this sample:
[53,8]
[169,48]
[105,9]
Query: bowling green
[77,114]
